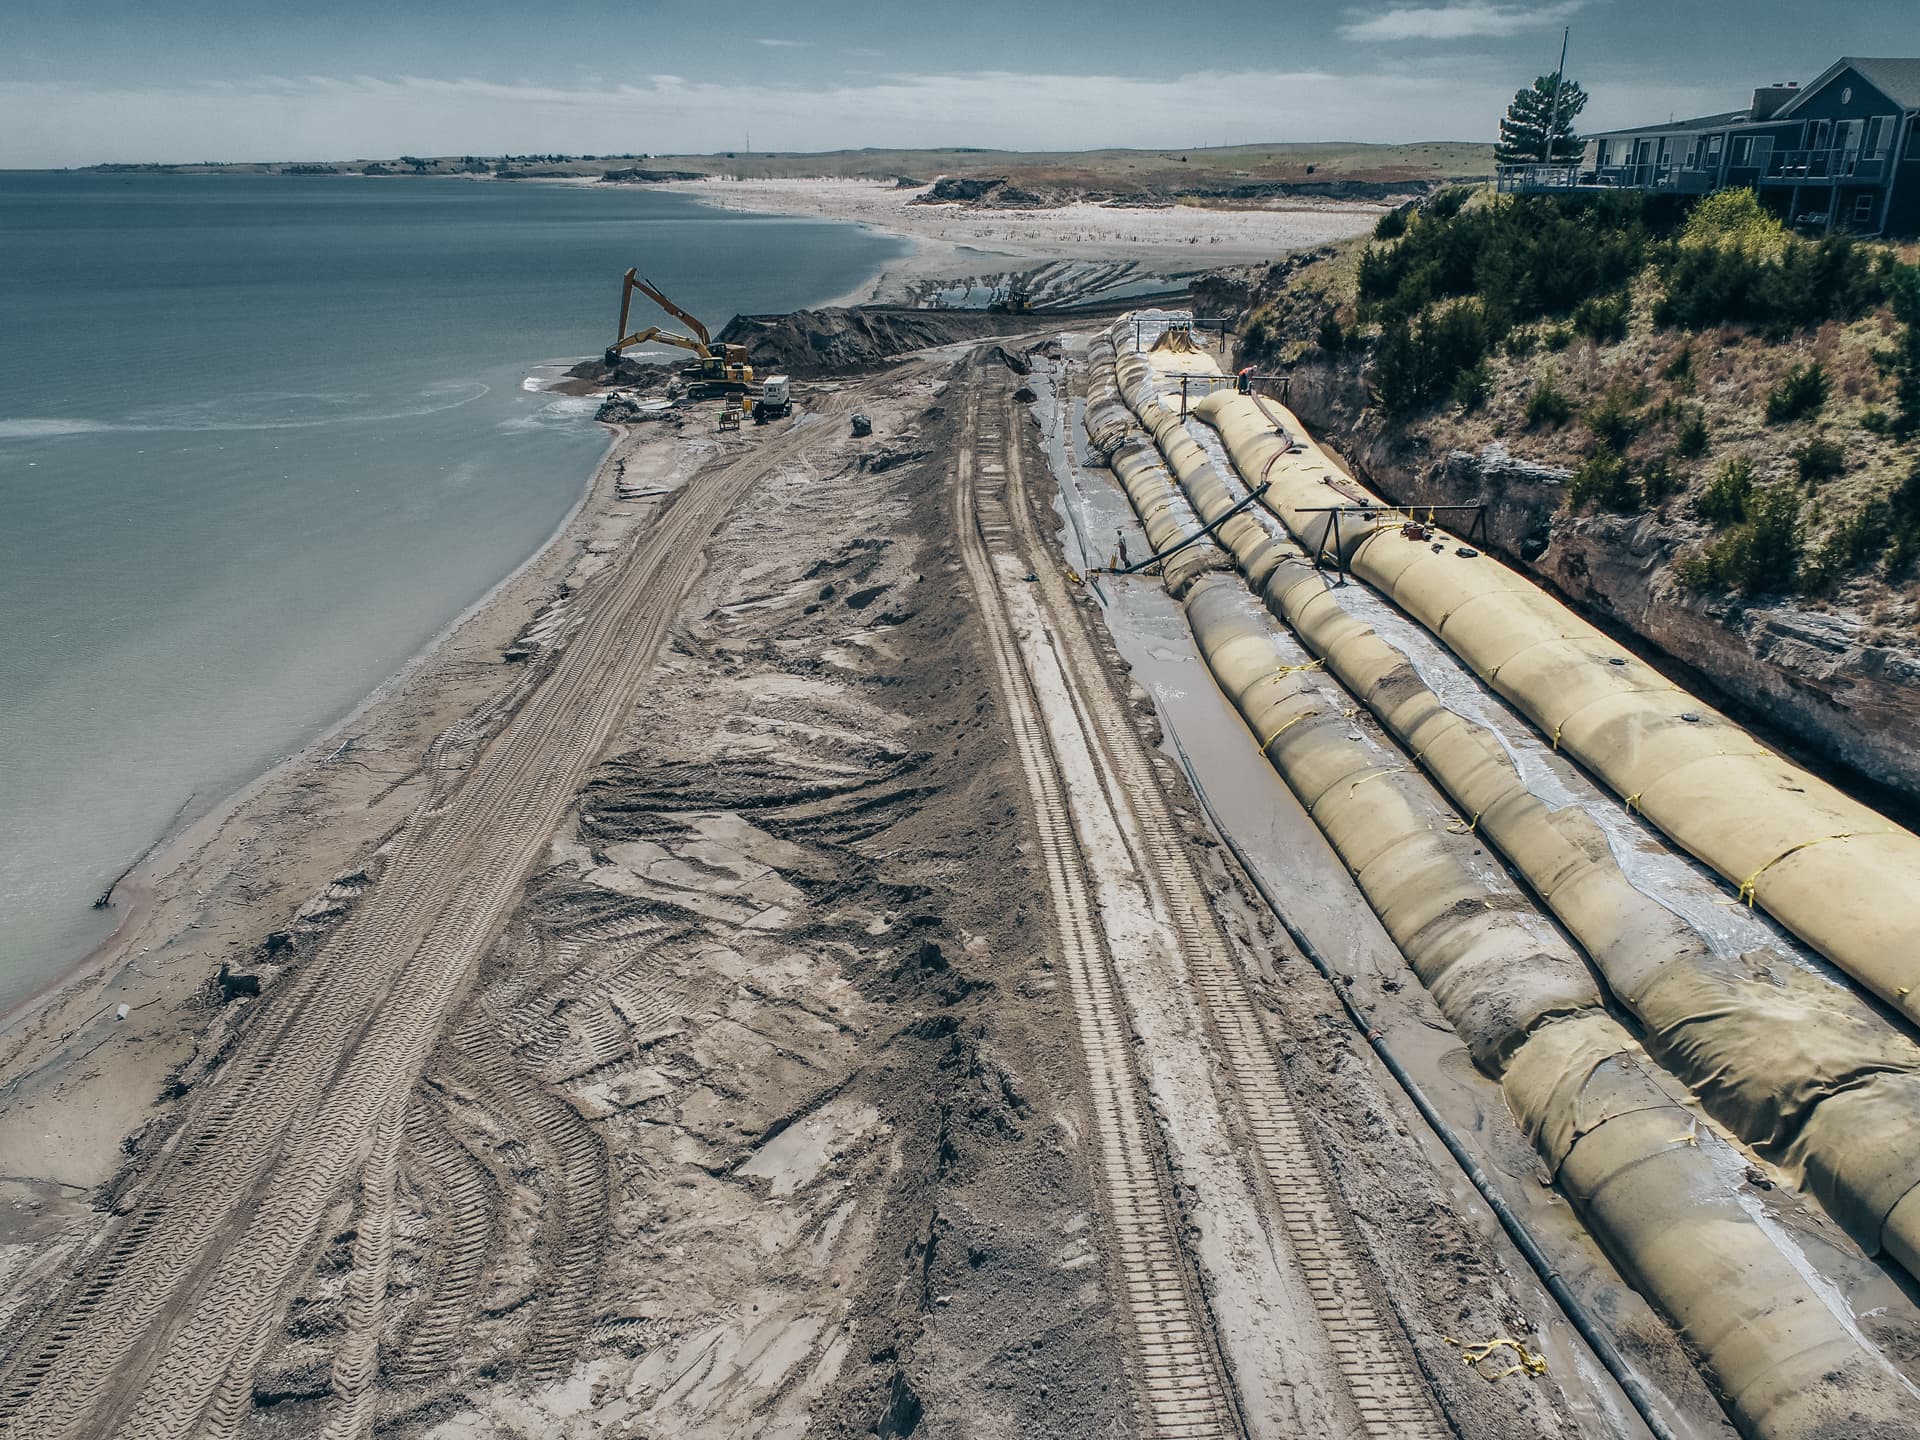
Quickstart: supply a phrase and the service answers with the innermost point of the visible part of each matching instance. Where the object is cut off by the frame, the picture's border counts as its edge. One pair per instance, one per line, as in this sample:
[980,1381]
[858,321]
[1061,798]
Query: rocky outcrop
[635,175]
[995,193]
[1824,680]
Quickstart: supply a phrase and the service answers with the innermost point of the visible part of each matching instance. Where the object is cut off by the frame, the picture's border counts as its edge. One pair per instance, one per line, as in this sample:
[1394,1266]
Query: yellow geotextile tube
[1164,512]
[1839,875]
[1648,1182]
[1804,1071]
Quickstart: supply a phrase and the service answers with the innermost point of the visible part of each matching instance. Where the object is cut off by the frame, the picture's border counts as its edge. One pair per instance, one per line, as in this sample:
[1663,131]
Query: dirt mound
[813,342]
[993,193]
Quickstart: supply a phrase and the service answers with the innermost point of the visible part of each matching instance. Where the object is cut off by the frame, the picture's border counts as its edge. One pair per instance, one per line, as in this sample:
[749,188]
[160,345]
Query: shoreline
[196,899]
[75,1080]
[173,846]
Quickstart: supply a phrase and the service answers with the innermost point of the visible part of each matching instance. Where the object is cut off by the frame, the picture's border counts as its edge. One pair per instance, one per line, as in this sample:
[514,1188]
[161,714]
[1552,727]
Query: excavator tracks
[160,1332]
[1386,1392]
[1179,1368]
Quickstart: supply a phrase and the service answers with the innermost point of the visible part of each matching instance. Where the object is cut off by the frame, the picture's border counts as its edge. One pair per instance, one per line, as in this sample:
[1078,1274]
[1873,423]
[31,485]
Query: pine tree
[1524,127]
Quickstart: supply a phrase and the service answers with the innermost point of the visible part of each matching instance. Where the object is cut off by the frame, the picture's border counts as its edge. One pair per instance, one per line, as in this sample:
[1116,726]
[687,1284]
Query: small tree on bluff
[1523,130]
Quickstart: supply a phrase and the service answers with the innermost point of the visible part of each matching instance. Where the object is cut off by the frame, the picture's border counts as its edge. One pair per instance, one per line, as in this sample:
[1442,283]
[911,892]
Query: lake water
[261,439]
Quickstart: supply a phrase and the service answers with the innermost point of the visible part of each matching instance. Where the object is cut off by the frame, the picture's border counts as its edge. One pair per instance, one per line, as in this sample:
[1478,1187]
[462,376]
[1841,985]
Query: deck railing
[1799,167]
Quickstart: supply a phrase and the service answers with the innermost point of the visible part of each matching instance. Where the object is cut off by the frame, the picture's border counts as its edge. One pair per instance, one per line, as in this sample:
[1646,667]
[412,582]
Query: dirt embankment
[1827,678]
[821,342]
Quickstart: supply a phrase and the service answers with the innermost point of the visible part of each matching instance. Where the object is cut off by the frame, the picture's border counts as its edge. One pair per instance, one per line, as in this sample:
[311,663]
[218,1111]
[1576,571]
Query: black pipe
[1193,539]
[1577,1314]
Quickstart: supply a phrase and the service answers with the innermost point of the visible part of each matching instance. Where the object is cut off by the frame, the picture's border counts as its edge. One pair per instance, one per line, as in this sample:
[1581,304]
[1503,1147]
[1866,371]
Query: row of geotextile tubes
[1649,1183]
[1165,513]
[1802,1069]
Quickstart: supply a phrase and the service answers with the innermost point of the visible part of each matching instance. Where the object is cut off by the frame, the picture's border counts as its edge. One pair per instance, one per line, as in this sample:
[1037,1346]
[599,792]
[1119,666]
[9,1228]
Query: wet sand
[74,1078]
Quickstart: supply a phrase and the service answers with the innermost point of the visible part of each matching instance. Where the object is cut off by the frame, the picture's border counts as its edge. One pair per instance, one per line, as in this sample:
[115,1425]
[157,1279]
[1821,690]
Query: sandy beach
[954,240]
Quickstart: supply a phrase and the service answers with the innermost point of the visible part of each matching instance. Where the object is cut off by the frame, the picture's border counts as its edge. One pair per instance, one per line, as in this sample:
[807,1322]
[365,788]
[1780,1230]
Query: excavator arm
[724,367]
[636,281]
[653,332]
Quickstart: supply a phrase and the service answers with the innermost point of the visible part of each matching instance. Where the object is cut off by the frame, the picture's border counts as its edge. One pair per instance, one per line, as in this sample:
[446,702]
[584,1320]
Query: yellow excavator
[717,370]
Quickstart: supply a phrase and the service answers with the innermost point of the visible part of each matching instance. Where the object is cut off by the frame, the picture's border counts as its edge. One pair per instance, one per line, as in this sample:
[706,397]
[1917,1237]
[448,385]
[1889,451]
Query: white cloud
[339,117]
[785,44]
[1470,21]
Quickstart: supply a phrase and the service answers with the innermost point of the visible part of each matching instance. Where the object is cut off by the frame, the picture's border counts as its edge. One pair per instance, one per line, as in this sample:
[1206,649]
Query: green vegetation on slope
[1721,370]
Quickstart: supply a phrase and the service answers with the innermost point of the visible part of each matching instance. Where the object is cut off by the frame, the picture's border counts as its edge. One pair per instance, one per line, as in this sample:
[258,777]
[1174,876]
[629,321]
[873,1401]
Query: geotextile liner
[1650,1185]
[1803,1070]
[1839,875]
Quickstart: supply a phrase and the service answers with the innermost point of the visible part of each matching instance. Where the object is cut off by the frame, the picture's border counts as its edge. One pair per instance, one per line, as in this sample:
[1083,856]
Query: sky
[86,81]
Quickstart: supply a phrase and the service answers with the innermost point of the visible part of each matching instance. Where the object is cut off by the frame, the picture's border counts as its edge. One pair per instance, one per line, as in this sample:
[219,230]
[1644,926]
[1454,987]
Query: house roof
[1701,122]
[1897,79]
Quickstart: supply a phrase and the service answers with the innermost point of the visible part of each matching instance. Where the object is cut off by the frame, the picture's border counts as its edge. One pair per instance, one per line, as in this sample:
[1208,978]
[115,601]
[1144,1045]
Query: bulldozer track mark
[1390,1393]
[147,1333]
[577,1204]
[464,1190]
[1178,1366]
[356,1358]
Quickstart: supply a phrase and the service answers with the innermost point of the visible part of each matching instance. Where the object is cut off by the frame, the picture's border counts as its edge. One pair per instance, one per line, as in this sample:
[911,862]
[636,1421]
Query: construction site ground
[761,975]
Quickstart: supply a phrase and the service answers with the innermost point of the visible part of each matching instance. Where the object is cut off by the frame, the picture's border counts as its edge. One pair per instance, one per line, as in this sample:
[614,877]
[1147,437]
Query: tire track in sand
[150,1330]
[1178,1367]
[1390,1394]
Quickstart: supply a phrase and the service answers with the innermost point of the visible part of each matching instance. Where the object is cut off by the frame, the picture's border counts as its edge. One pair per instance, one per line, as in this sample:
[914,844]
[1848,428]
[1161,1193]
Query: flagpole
[1559,79]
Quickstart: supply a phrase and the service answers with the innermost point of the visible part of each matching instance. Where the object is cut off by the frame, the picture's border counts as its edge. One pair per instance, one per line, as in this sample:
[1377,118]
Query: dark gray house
[1839,154]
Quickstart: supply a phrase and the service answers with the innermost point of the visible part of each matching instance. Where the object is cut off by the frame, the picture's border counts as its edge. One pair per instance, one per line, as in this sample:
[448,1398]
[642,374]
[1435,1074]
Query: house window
[1863,209]
[1600,153]
[1743,150]
[1817,135]
[1713,148]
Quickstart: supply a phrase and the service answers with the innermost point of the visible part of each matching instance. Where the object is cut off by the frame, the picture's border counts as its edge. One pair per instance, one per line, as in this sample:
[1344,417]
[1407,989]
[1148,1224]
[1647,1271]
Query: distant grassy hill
[1051,174]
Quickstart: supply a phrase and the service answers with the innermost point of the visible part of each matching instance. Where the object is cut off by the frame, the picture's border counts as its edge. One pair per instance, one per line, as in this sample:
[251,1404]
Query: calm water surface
[262,438]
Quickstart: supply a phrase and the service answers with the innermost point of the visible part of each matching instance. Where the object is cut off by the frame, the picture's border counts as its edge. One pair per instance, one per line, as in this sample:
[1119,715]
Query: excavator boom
[721,369]
[633,282]
[636,281]
[665,337]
